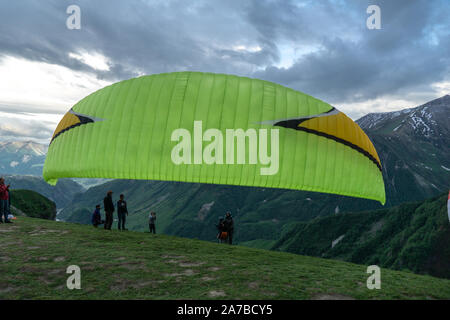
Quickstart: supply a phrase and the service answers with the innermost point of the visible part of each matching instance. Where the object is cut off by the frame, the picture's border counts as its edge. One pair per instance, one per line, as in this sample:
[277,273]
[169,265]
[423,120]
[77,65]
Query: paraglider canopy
[214,128]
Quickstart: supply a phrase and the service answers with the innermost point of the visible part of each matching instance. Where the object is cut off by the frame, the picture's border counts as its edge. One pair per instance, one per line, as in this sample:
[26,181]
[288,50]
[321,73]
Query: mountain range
[19,157]
[414,147]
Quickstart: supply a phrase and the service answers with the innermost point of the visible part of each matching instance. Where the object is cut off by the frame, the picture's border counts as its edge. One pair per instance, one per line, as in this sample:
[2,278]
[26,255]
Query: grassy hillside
[135,265]
[32,204]
[413,236]
[62,194]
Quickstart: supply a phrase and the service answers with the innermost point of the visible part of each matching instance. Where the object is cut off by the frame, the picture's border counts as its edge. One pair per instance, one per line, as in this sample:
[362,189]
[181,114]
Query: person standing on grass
[122,212]
[4,200]
[151,222]
[97,217]
[229,226]
[109,209]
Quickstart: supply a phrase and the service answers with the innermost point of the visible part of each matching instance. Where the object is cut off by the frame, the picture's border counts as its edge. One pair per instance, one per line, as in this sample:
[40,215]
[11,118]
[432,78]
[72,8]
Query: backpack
[223,235]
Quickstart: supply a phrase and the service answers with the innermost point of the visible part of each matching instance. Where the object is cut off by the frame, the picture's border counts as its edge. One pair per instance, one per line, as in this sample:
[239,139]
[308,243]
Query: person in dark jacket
[229,227]
[152,222]
[109,209]
[97,217]
[4,200]
[122,212]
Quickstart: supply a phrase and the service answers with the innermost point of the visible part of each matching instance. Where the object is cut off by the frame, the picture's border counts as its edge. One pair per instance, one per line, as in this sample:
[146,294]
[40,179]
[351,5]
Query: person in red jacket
[4,199]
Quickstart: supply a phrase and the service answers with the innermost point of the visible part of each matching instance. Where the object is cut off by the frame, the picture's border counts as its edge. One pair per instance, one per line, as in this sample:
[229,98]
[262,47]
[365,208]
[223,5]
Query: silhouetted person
[109,209]
[97,217]
[151,222]
[229,227]
[122,212]
[4,200]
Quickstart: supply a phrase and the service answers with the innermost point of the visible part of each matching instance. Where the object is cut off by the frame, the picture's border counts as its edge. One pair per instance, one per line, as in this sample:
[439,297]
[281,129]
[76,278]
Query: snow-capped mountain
[414,147]
[431,119]
[17,157]
[28,158]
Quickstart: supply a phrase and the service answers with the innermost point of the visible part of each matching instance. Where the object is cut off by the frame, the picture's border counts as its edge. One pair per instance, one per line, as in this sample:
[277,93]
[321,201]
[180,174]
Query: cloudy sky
[321,47]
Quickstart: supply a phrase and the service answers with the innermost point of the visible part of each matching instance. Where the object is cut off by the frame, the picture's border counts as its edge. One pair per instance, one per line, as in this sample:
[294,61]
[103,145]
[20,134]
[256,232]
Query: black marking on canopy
[295,124]
[83,120]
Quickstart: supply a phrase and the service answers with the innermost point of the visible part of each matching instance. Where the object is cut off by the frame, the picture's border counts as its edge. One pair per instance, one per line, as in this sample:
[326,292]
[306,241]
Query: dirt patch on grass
[214,269]
[253,285]
[132,265]
[31,269]
[206,278]
[12,243]
[45,280]
[215,294]
[122,285]
[5,259]
[331,296]
[187,272]
[172,261]
[165,256]
[56,271]
[7,290]
[182,263]
[59,259]
[270,294]
[187,264]
[39,232]
[151,283]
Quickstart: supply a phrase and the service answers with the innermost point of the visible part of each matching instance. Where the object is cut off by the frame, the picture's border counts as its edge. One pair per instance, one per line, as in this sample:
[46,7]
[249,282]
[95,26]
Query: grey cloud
[25,130]
[396,60]
[350,63]
[136,36]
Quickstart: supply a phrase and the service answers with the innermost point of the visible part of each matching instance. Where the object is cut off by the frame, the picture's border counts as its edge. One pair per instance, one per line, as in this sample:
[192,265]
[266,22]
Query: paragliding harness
[223,235]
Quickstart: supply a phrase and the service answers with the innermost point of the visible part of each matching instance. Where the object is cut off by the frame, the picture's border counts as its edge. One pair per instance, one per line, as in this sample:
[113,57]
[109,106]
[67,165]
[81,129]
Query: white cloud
[442,88]
[94,60]
[247,48]
[31,86]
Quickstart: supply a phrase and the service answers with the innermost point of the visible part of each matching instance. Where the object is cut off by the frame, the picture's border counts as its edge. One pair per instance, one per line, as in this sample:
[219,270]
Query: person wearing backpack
[229,226]
[222,235]
[4,200]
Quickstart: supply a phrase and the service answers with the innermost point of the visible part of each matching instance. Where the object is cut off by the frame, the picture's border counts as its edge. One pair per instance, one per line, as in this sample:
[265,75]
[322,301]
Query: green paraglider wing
[214,128]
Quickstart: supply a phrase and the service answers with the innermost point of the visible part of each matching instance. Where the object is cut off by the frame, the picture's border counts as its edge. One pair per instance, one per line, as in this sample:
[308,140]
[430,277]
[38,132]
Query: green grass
[134,265]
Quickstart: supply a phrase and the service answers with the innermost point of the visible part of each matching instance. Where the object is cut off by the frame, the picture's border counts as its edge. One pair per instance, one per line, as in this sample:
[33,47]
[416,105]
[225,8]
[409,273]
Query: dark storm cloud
[342,61]
[409,53]
[137,36]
